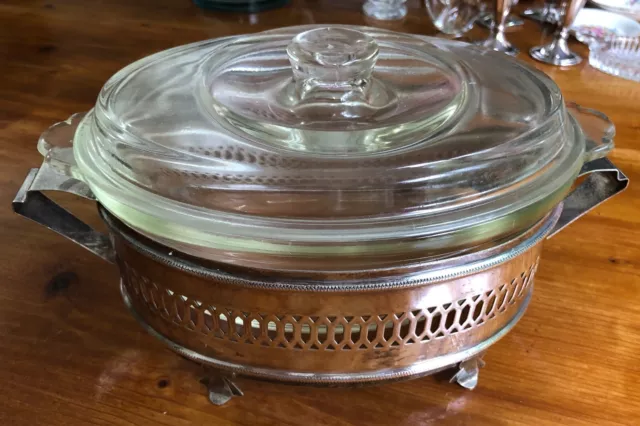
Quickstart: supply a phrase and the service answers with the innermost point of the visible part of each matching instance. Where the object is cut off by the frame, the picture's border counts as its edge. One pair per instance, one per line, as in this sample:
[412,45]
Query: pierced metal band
[426,367]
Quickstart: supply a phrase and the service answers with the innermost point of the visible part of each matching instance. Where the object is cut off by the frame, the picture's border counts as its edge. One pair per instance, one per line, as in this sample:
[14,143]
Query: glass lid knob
[334,90]
[332,62]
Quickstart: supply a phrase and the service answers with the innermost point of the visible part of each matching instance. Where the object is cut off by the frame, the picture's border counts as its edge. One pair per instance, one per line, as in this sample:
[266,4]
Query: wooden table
[71,353]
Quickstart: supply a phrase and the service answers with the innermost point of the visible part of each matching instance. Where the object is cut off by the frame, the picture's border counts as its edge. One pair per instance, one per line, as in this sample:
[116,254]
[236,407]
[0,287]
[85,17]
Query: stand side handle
[31,203]
[603,181]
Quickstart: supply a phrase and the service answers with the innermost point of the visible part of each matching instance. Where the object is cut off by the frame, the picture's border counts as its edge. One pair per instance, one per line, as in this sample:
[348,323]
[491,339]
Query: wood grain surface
[71,354]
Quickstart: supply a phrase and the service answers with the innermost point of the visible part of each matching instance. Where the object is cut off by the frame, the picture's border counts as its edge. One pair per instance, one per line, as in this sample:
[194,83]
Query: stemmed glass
[549,12]
[497,40]
[454,17]
[557,52]
[385,10]
[486,19]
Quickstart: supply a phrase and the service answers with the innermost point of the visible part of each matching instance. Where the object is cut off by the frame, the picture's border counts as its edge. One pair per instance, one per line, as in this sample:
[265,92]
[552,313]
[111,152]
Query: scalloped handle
[597,128]
[56,144]
[56,174]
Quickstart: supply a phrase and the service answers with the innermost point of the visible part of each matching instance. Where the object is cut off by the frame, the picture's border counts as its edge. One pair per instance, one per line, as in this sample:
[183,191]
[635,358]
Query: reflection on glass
[454,17]
[385,10]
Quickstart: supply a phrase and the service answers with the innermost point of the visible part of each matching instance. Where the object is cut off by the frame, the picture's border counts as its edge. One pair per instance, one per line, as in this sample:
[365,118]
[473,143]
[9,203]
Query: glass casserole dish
[338,191]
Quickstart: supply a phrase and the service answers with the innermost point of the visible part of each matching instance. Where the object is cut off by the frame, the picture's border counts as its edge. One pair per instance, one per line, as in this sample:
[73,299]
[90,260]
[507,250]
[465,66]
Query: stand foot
[221,388]
[467,375]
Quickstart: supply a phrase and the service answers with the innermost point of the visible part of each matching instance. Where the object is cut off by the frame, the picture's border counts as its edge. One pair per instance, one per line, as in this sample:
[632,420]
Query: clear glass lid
[309,140]
[333,92]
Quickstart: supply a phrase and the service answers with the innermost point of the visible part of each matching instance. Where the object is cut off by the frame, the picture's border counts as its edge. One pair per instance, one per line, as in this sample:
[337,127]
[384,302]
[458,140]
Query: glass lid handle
[332,63]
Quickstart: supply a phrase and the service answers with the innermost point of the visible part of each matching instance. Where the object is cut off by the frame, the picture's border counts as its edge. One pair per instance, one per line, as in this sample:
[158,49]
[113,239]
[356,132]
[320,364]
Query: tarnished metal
[603,181]
[468,371]
[332,328]
[415,368]
[413,276]
[31,203]
[222,388]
